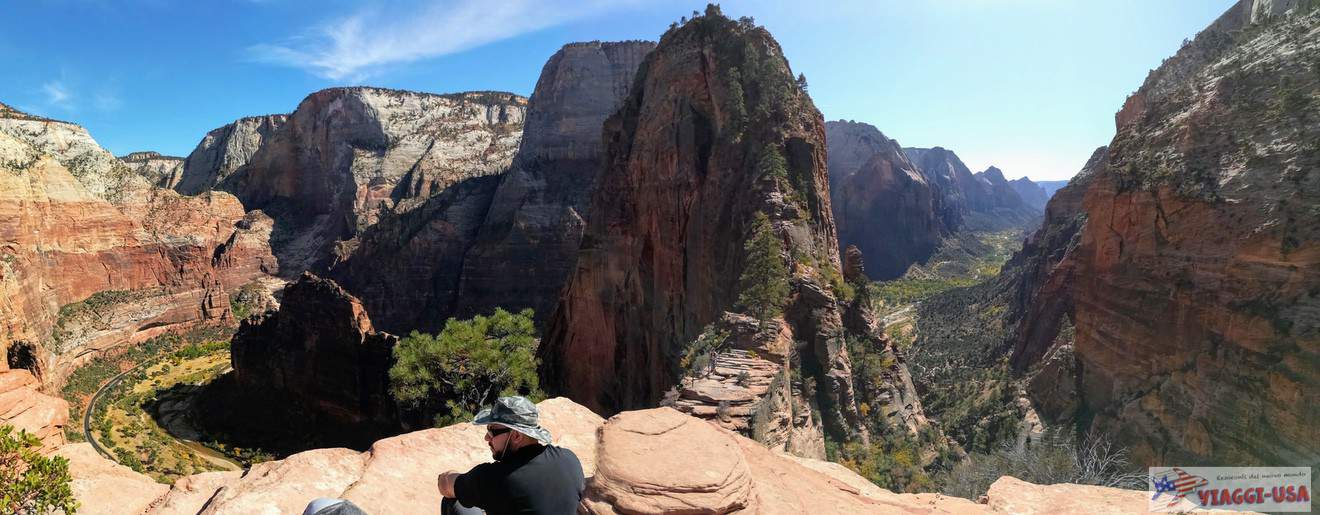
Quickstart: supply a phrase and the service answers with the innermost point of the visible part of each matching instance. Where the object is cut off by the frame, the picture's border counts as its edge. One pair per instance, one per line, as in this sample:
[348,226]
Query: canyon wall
[1193,282]
[882,203]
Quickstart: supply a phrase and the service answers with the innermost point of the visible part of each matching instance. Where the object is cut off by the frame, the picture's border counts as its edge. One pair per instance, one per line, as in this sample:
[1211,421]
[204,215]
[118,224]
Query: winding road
[91,407]
[206,453]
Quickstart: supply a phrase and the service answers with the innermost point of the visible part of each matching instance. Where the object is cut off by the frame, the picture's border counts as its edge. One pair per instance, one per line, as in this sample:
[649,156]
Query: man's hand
[446,483]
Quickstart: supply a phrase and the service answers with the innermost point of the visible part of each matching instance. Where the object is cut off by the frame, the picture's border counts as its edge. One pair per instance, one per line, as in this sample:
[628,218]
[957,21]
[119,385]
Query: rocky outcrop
[664,248]
[882,203]
[1031,193]
[510,241]
[1196,272]
[160,171]
[347,154]
[79,275]
[98,171]
[653,461]
[27,409]
[103,487]
[744,385]
[224,150]
[320,357]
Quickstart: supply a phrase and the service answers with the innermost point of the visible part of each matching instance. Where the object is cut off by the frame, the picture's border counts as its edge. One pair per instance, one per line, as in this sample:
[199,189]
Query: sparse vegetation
[1054,458]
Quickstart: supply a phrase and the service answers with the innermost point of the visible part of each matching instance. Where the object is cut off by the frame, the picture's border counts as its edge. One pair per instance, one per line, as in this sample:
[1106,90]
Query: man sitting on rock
[528,476]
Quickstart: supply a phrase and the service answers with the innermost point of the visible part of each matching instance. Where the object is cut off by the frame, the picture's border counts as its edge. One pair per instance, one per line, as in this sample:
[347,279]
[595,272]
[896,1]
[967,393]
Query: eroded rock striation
[224,150]
[882,203]
[346,155]
[1193,282]
[80,274]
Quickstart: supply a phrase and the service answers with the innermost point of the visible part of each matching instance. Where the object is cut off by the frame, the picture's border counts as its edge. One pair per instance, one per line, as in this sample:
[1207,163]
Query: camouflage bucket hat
[516,413]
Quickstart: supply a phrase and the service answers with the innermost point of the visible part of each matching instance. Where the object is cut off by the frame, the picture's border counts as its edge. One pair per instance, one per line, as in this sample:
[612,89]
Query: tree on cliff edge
[30,482]
[450,376]
[764,278]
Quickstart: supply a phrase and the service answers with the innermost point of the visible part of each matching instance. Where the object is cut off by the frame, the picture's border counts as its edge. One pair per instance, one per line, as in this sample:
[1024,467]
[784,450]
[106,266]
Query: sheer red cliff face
[1195,282]
[173,256]
[661,255]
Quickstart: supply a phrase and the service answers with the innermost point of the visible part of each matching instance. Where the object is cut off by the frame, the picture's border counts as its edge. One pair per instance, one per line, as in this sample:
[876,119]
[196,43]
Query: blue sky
[1030,86]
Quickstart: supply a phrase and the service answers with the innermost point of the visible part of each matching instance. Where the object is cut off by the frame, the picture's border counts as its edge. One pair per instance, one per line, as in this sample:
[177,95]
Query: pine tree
[764,278]
[771,163]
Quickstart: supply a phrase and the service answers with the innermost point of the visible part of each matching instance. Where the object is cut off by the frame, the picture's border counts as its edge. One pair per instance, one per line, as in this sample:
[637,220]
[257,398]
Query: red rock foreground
[649,461]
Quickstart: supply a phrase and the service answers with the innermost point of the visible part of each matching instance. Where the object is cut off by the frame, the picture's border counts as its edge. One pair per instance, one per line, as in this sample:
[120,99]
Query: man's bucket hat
[516,413]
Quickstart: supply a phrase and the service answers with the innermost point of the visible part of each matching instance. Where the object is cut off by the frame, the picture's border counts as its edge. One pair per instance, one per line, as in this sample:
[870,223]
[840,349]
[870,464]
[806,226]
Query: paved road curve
[91,407]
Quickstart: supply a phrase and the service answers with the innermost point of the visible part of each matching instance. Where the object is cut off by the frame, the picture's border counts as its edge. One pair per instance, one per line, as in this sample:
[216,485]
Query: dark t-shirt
[534,480]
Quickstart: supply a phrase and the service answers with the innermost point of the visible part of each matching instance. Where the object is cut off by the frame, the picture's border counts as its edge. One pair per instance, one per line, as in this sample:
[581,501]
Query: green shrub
[30,482]
[450,376]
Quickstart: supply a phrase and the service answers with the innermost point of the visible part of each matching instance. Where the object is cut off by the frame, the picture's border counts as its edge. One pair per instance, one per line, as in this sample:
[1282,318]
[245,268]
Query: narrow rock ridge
[664,247]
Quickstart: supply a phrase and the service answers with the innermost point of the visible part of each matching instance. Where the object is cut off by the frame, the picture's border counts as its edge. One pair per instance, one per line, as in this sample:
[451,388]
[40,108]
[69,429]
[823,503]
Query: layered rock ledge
[651,461]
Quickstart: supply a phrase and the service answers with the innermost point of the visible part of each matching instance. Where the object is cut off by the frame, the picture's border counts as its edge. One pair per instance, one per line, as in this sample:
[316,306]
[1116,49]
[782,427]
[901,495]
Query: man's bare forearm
[446,484]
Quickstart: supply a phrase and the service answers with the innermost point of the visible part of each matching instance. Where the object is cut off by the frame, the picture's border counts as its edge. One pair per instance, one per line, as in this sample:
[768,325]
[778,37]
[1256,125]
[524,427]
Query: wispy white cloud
[362,44]
[106,101]
[57,94]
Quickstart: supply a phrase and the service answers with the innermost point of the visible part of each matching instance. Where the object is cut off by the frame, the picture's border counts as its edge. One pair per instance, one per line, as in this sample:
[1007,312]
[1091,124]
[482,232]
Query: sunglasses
[496,431]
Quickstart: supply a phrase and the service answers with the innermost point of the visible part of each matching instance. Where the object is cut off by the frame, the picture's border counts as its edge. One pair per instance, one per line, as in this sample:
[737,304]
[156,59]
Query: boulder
[104,487]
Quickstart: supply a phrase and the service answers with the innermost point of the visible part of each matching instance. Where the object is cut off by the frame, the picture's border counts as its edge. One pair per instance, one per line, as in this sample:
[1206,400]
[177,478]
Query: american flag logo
[1177,483]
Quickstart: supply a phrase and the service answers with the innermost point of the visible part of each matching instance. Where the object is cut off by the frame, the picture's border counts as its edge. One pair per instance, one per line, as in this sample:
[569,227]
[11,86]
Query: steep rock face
[319,354]
[882,203]
[528,243]
[223,151]
[346,154]
[79,274]
[653,461]
[510,241]
[407,268]
[980,201]
[1031,193]
[661,255]
[1041,274]
[160,171]
[1195,294]
[945,172]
